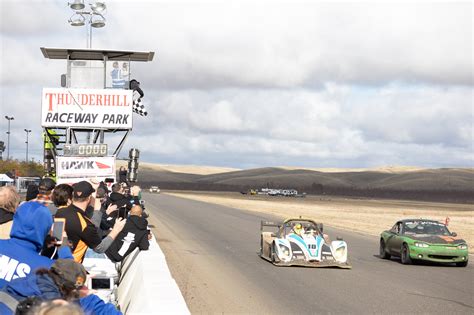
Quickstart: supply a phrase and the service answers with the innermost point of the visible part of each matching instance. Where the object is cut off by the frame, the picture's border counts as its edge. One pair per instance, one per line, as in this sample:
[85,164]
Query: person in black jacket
[134,234]
[118,197]
[123,174]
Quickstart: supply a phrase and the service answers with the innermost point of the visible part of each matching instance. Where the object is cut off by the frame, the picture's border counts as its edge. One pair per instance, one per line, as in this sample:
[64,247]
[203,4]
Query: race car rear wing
[269,224]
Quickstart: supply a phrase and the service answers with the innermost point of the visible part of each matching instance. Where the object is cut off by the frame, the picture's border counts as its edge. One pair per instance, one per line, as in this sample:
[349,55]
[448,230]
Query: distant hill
[187,169]
[446,184]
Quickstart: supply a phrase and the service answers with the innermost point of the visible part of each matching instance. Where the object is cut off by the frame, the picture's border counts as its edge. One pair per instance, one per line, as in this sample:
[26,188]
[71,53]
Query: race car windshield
[305,227]
[425,227]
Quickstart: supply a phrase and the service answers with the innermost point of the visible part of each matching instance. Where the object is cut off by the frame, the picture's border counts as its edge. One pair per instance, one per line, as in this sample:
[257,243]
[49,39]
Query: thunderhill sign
[87,108]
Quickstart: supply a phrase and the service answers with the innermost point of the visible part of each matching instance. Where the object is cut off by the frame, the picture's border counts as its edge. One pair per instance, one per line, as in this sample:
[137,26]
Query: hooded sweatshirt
[19,255]
[133,235]
[43,286]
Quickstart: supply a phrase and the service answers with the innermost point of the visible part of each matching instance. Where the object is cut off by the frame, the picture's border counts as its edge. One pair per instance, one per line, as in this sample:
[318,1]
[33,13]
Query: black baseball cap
[72,273]
[82,189]
[101,192]
[47,184]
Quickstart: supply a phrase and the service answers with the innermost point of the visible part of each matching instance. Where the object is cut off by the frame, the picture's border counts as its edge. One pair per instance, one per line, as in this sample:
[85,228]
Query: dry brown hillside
[447,184]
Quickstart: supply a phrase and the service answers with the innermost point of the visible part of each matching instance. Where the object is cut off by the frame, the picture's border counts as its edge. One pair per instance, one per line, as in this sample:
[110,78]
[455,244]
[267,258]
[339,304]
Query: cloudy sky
[266,83]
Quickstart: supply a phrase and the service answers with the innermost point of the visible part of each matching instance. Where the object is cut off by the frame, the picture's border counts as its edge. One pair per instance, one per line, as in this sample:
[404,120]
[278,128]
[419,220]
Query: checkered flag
[138,106]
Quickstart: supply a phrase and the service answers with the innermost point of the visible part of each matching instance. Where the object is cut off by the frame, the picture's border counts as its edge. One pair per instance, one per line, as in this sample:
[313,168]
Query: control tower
[87,120]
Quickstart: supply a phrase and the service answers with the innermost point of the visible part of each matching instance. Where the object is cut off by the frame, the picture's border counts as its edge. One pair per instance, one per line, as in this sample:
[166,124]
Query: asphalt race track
[212,253]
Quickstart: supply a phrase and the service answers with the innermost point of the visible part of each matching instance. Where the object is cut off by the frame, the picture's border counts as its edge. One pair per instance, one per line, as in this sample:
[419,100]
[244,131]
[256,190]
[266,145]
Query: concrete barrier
[146,285]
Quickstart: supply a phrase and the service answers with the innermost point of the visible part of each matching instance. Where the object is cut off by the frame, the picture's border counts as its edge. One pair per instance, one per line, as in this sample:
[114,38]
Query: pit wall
[146,285]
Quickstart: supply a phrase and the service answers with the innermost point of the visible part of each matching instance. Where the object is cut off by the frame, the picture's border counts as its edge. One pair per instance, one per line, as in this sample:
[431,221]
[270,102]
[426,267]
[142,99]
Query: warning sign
[89,108]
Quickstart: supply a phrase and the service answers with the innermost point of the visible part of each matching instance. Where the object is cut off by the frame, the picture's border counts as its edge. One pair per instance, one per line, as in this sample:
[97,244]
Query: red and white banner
[88,108]
[85,167]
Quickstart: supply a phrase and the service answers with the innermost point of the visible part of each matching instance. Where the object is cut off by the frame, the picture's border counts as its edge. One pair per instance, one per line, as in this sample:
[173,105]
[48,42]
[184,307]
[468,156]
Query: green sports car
[420,239]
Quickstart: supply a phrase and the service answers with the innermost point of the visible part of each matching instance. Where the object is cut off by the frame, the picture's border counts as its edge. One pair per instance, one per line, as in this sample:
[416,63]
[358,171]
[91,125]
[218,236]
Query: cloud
[287,45]
[31,18]
[246,83]
[336,125]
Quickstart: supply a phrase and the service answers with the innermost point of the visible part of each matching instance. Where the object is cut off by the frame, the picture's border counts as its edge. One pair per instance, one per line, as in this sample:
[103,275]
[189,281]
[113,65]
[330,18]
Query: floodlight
[98,7]
[77,20]
[77,5]
[97,21]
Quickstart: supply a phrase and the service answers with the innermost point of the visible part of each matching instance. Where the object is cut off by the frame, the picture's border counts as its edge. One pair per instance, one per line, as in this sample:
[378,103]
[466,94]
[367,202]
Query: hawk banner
[74,166]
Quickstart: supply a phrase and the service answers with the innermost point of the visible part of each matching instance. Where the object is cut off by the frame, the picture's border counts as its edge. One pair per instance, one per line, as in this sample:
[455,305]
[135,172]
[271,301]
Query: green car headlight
[462,246]
[419,244]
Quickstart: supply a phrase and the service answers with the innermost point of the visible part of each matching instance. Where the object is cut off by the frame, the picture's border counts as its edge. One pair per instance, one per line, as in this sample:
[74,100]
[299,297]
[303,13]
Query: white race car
[154,189]
[301,242]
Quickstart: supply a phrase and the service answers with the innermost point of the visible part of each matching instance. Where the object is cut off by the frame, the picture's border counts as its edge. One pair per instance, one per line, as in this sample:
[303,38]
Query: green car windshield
[425,227]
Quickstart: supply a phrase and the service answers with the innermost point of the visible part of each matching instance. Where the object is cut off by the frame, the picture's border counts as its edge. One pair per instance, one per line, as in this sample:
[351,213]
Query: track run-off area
[211,252]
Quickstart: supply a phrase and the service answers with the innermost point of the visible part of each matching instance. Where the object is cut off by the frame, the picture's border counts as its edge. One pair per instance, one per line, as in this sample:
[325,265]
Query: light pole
[95,16]
[27,133]
[8,133]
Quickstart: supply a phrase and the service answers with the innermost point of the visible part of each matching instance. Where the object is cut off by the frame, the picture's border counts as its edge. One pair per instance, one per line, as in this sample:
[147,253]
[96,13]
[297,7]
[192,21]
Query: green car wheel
[405,254]
[461,264]
[383,251]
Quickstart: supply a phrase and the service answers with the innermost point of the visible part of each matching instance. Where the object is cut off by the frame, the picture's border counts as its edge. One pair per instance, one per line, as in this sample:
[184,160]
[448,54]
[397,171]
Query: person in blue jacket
[64,280]
[19,255]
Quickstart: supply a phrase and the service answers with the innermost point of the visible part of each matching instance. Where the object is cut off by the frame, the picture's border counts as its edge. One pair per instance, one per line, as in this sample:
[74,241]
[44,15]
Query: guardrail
[146,285]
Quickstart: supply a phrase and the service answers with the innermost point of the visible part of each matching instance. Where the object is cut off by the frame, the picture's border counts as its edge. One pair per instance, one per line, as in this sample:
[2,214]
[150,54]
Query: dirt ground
[367,216]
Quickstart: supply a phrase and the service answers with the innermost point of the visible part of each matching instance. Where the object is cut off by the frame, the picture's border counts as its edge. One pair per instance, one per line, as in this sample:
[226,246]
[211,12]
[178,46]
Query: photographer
[136,199]
[80,229]
[120,197]
[31,224]
[106,208]
[63,281]
[134,234]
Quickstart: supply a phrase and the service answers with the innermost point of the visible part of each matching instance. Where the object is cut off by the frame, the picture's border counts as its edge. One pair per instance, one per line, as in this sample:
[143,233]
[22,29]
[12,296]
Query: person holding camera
[134,234]
[120,197]
[63,282]
[80,229]
[20,254]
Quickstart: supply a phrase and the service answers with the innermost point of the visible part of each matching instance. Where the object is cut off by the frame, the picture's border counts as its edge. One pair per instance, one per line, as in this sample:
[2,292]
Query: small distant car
[154,189]
[301,242]
[421,239]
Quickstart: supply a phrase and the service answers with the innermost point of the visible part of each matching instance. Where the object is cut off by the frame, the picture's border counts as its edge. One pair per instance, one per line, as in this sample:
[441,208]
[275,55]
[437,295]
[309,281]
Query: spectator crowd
[41,271]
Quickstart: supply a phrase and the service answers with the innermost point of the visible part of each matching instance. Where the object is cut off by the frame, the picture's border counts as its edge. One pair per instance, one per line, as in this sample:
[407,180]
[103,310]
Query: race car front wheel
[383,252]
[273,254]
